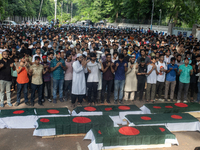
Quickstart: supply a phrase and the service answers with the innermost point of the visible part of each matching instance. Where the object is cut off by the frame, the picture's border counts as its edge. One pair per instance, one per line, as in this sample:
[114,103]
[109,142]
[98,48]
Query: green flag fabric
[137,135]
[172,107]
[111,110]
[74,125]
[160,118]
[17,112]
[51,111]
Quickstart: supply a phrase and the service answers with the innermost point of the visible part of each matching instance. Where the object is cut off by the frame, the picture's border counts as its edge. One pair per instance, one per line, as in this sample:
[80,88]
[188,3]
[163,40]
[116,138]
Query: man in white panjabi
[131,79]
[78,81]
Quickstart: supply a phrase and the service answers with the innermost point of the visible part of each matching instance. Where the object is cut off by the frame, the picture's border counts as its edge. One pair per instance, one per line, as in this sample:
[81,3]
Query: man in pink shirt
[68,76]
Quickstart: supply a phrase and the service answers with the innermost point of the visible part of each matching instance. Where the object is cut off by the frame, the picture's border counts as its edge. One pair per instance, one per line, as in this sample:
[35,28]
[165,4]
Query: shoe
[165,100]
[115,102]
[102,102]
[61,100]
[178,101]
[162,100]
[196,101]
[40,104]
[185,101]
[171,100]
[27,103]
[43,100]
[121,102]
[108,102]
[1,105]
[49,100]
[9,104]
[54,101]
[16,104]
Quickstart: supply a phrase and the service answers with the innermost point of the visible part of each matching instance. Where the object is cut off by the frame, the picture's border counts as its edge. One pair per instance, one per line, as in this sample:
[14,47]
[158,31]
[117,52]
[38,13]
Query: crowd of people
[80,63]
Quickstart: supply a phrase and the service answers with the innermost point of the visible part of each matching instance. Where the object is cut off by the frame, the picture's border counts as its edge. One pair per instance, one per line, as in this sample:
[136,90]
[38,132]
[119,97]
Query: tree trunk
[176,18]
[116,17]
[171,14]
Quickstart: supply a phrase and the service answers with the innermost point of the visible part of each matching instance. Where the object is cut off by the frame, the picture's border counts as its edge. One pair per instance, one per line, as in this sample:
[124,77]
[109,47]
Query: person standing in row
[131,79]
[57,68]
[78,81]
[5,78]
[121,67]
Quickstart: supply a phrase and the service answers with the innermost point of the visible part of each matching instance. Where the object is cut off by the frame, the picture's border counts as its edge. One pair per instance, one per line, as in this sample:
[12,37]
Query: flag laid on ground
[116,112]
[116,137]
[70,125]
[52,112]
[170,108]
[18,118]
[173,121]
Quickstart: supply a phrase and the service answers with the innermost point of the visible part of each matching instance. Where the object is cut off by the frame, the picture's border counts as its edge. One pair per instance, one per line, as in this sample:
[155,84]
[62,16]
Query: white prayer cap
[78,55]
[71,46]
[49,46]
[85,53]
[30,47]
[62,51]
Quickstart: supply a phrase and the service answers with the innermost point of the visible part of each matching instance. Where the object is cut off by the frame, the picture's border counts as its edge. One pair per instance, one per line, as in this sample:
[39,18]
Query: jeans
[141,86]
[48,85]
[19,89]
[159,86]
[198,94]
[68,87]
[182,86]
[58,84]
[119,86]
[80,98]
[39,88]
[150,88]
[106,84]
[173,85]
[92,88]
[5,85]
[14,82]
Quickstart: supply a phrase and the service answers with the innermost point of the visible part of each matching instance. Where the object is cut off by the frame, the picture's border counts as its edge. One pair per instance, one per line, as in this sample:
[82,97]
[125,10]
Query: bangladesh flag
[116,112]
[52,112]
[173,121]
[170,108]
[18,118]
[106,137]
[70,125]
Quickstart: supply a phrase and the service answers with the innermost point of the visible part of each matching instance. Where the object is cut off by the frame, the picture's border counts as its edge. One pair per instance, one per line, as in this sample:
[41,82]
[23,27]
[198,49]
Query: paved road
[15,139]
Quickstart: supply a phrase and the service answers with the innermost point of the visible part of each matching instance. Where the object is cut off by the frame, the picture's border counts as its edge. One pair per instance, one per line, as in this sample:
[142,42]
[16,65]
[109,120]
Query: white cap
[62,51]
[85,53]
[30,47]
[71,46]
[49,46]
[78,55]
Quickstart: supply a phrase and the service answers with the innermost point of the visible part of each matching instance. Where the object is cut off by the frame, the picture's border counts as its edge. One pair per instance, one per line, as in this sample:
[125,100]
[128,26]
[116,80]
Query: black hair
[153,57]
[108,55]
[121,56]
[116,53]
[173,59]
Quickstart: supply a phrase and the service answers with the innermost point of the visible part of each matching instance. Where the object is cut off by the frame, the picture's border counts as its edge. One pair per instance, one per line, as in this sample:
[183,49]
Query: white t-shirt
[167,59]
[94,75]
[161,75]
[151,78]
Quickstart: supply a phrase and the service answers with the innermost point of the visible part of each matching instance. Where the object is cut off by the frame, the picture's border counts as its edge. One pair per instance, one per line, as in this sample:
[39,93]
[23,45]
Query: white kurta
[78,81]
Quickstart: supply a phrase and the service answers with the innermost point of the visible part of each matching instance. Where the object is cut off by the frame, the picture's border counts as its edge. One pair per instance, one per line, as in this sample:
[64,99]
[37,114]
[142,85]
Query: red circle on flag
[44,120]
[90,108]
[157,107]
[99,132]
[181,105]
[162,129]
[129,131]
[18,112]
[53,111]
[168,107]
[108,108]
[145,118]
[81,120]
[176,117]
[124,107]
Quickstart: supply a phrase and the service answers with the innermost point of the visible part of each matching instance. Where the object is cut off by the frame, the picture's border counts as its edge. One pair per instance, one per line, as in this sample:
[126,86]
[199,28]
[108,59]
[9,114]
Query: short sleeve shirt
[171,76]
[151,78]
[37,74]
[5,71]
[120,72]
[58,72]
[185,74]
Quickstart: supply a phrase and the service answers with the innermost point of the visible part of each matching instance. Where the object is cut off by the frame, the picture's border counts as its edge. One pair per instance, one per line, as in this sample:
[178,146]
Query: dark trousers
[140,90]
[19,89]
[185,87]
[14,82]
[48,85]
[80,98]
[106,84]
[159,86]
[39,88]
[67,87]
[193,89]
[92,89]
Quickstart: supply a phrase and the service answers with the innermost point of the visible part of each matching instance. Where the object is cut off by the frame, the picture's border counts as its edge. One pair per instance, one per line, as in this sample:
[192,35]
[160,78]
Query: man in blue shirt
[171,79]
[121,66]
[57,68]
